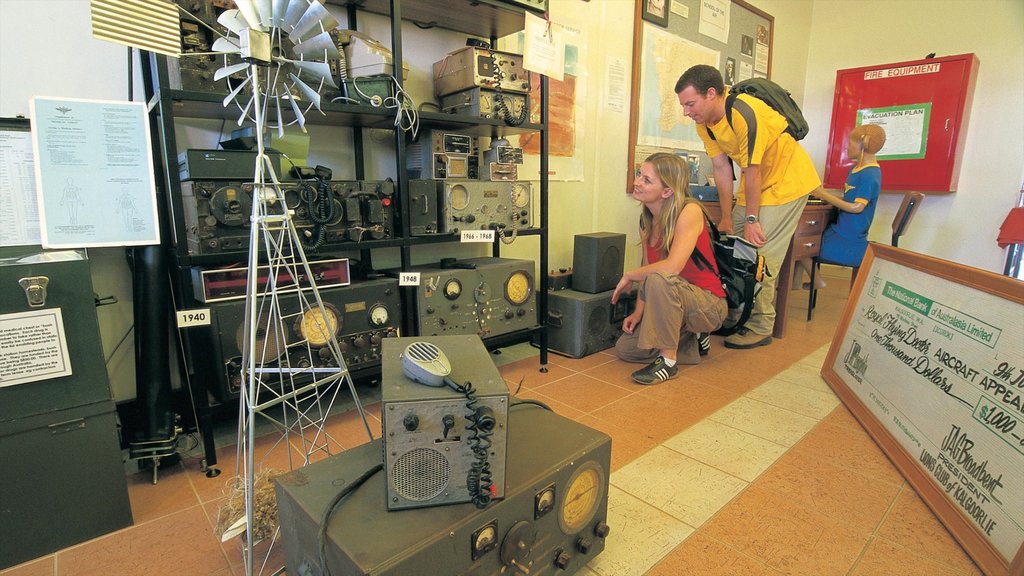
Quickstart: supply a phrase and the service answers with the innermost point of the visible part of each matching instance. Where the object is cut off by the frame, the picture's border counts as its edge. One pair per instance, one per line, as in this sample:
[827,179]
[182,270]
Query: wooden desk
[806,243]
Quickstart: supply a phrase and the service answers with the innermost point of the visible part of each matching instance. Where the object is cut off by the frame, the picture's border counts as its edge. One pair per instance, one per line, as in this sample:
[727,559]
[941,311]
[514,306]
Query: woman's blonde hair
[674,173]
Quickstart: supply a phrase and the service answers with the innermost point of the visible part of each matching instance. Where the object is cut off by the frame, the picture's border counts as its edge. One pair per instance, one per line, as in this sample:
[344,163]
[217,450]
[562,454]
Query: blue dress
[845,241]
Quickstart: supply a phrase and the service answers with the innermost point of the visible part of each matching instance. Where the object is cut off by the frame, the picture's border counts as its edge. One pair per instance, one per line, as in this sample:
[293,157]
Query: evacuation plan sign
[930,358]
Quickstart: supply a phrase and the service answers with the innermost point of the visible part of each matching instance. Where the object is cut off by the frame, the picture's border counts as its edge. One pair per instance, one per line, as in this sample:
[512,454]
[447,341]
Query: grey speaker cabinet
[62,481]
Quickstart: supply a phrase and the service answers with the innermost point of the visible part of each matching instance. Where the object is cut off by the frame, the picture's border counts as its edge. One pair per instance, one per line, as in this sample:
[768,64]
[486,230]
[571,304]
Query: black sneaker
[704,343]
[655,372]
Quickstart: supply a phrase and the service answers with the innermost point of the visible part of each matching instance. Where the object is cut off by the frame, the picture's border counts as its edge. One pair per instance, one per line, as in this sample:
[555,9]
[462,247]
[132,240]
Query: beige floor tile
[796,397]
[641,535]
[772,423]
[732,451]
[815,359]
[683,487]
[806,375]
[703,556]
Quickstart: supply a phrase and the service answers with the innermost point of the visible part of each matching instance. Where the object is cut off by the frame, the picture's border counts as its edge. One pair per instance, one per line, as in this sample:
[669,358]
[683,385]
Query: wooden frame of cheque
[929,357]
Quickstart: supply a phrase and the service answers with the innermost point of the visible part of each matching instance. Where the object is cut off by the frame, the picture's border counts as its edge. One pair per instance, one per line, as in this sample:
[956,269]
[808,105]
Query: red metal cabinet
[924,106]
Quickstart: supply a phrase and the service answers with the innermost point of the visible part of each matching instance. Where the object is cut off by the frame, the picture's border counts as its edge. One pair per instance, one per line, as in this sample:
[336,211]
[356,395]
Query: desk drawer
[806,246]
[811,224]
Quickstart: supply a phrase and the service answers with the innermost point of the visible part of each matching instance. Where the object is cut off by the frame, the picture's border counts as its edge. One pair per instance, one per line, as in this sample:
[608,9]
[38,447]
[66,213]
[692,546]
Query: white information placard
[33,347]
[94,173]
[930,358]
[18,209]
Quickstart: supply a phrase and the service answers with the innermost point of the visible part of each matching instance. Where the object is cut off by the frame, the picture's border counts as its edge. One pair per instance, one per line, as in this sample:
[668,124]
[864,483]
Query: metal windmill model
[283,47]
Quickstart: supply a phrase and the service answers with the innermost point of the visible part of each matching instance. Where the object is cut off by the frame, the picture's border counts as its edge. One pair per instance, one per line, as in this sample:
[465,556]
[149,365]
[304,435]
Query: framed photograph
[656,11]
[747,45]
[729,74]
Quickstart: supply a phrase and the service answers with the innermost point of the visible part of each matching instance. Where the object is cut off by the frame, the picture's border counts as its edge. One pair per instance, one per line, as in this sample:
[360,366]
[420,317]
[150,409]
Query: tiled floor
[746,465]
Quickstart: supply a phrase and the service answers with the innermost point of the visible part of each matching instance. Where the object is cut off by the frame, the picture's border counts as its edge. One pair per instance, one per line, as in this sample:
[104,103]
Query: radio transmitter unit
[362,315]
[444,420]
[217,213]
[484,296]
[552,521]
[472,66]
[511,108]
[439,155]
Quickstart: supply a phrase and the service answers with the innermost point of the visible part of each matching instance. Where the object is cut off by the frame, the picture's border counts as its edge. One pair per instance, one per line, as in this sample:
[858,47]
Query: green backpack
[775,96]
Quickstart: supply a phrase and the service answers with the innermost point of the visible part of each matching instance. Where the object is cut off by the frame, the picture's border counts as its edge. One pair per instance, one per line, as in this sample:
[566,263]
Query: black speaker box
[580,324]
[597,261]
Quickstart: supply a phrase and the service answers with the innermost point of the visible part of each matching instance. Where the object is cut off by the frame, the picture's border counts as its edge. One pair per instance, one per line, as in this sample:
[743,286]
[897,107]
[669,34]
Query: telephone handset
[425,363]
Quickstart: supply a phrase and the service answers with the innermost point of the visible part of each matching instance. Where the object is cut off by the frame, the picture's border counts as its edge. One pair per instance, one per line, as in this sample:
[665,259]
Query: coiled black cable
[481,427]
[321,537]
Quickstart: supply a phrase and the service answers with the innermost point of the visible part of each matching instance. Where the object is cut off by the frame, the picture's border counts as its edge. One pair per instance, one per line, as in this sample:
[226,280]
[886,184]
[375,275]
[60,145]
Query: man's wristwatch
[752,219]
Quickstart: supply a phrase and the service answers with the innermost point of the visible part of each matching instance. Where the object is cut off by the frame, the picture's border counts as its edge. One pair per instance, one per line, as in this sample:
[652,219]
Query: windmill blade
[248,11]
[233,20]
[315,14]
[265,12]
[307,91]
[234,93]
[318,46]
[226,71]
[299,118]
[280,8]
[245,111]
[226,45]
[151,25]
[294,12]
[318,70]
[280,120]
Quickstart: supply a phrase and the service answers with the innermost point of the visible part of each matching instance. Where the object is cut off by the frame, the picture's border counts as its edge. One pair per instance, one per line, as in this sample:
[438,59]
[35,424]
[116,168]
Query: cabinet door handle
[809,244]
[812,222]
[946,127]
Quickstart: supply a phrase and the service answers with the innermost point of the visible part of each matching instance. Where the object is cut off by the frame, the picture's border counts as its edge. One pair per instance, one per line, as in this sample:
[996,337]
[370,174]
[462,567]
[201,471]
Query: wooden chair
[911,201]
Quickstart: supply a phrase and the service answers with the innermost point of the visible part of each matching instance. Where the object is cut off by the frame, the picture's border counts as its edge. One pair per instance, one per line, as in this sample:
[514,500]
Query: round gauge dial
[518,288]
[317,325]
[458,195]
[379,315]
[582,498]
[452,289]
[520,195]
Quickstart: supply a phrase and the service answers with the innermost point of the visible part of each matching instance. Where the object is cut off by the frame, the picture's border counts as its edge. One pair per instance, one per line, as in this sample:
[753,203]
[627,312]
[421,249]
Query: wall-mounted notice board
[923,105]
[669,36]
[929,356]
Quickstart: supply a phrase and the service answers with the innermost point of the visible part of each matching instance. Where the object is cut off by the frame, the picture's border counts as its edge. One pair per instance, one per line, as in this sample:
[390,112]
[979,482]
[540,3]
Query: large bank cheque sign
[930,358]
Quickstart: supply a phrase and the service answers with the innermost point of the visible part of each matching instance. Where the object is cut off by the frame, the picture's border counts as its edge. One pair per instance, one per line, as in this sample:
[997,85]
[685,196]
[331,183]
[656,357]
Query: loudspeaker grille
[421,474]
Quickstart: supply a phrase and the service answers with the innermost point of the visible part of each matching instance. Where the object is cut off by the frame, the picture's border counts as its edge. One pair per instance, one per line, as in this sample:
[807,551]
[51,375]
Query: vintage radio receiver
[217,285]
[363,315]
[474,67]
[483,296]
[441,155]
[444,443]
[217,213]
[513,109]
[552,521]
[194,71]
[501,206]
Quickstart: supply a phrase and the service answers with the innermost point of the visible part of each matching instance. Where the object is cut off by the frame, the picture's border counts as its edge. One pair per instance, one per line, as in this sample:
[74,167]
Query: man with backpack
[776,175]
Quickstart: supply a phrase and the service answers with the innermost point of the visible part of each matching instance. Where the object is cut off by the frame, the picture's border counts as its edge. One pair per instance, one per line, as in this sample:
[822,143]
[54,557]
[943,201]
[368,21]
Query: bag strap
[699,259]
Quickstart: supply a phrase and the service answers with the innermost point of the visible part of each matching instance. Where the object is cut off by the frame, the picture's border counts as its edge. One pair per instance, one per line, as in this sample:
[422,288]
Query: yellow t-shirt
[787,172]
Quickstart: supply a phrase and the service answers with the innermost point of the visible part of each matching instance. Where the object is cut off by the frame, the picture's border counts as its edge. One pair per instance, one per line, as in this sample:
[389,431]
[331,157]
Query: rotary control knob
[360,342]
[601,530]
[516,548]
[411,422]
[375,339]
[584,544]
[562,559]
